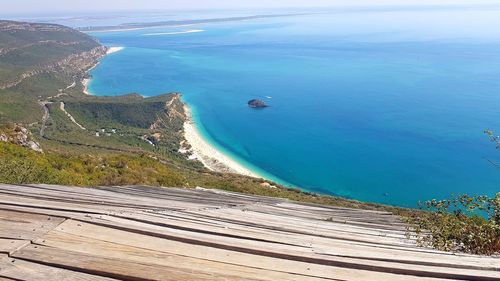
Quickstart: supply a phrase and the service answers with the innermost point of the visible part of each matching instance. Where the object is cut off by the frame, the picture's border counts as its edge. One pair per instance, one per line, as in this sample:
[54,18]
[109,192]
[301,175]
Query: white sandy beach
[174,33]
[114,50]
[86,81]
[212,158]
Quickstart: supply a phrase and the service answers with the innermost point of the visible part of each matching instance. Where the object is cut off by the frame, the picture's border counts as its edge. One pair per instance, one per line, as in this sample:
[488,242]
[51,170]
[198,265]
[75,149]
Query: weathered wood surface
[142,233]
[17,269]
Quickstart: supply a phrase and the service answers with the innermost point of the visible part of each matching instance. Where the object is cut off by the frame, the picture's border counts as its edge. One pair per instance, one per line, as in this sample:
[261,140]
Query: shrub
[469,224]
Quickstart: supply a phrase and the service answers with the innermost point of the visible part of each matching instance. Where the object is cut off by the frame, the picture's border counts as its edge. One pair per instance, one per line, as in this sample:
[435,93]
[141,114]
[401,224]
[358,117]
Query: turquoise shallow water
[383,106]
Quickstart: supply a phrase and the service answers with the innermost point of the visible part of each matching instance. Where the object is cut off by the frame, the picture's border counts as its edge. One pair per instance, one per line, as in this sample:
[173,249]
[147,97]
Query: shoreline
[198,147]
[211,157]
[174,33]
[86,81]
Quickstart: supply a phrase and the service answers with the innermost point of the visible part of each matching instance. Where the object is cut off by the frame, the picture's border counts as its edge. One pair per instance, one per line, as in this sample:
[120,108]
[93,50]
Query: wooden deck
[141,233]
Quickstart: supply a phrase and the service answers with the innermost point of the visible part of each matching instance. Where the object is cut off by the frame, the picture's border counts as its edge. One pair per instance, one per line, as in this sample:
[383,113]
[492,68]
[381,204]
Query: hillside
[41,72]
[36,61]
[27,50]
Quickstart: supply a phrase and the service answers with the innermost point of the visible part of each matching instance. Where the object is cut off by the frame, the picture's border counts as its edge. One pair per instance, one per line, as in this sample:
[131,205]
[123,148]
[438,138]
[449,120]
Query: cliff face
[19,135]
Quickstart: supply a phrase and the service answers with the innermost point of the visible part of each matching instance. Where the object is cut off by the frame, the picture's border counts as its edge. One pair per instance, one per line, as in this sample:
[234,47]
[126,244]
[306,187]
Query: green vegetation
[36,60]
[125,111]
[463,223]
[128,124]
[20,165]
[25,47]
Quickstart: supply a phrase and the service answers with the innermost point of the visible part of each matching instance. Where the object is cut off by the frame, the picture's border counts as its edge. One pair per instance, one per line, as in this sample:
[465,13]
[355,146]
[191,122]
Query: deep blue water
[383,106]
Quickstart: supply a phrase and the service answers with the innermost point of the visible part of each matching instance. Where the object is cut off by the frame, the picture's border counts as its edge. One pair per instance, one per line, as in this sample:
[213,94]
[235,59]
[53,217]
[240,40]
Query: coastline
[86,81]
[196,145]
[212,158]
[114,50]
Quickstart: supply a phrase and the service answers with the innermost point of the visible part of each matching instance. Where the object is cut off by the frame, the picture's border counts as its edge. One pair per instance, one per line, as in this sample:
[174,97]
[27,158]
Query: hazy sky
[75,6]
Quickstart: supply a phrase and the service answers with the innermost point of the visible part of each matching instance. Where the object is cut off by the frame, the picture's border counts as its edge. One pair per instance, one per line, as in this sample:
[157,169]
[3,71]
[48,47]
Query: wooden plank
[290,220]
[99,198]
[286,261]
[108,200]
[47,212]
[182,195]
[7,246]
[112,267]
[224,228]
[25,226]
[304,227]
[200,234]
[132,255]
[319,248]
[340,250]
[378,220]
[270,212]
[17,269]
[207,259]
[12,200]
[321,245]
[92,205]
[272,239]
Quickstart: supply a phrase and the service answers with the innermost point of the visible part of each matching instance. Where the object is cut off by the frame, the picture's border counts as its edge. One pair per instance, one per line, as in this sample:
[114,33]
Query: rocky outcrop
[81,62]
[255,103]
[175,107]
[173,110]
[20,136]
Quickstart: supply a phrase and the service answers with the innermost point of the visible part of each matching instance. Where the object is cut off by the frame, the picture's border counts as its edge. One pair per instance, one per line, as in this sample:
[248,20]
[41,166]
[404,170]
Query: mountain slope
[27,50]
[36,61]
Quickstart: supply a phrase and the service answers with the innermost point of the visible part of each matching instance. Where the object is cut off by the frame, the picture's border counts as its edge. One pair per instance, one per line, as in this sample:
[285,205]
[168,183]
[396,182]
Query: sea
[379,104]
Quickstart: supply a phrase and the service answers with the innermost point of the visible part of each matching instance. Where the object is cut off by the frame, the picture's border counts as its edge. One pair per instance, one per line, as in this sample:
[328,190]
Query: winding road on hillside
[46,111]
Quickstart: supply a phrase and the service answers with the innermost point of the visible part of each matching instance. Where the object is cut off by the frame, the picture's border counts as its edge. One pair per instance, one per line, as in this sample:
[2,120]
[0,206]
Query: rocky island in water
[255,103]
